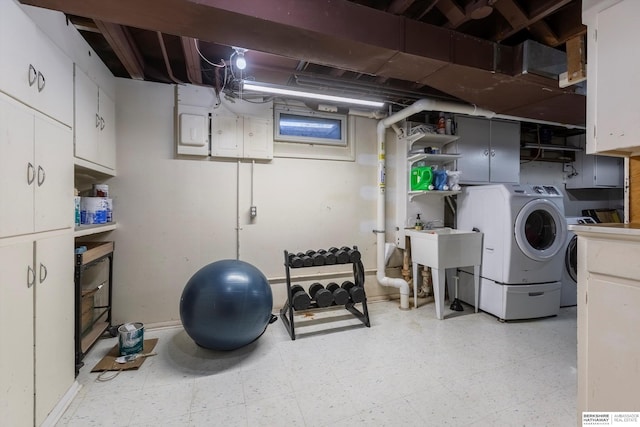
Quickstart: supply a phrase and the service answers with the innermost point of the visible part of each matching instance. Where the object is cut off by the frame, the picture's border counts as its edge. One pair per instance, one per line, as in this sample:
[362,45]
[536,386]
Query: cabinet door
[18,168]
[54,83]
[16,334]
[504,165]
[473,145]
[617,80]
[87,120]
[17,43]
[54,175]
[258,141]
[226,137]
[54,322]
[107,134]
[608,171]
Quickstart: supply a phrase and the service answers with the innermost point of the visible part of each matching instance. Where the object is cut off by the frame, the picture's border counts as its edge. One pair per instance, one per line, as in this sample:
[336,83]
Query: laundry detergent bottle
[421,177]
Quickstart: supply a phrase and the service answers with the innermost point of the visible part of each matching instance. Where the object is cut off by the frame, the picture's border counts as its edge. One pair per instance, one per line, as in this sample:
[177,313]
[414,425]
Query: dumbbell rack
[287,313]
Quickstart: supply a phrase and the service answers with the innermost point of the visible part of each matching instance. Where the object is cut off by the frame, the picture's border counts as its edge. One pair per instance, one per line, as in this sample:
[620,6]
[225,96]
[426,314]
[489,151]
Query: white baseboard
[57,412]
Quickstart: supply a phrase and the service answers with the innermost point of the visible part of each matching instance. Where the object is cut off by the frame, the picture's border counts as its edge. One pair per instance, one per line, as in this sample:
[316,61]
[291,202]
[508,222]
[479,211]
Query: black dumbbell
[328,257]
[323,297]
[306,259]
[295,261]
[340,296]
[318,258]
[342,256]
[333,249]
[355,292]
[354,254]
[300,300]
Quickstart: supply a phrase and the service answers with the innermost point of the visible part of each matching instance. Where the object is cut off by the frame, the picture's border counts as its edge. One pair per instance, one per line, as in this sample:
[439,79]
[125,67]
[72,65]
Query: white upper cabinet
[94,123]
[32,68]
[241,137]
[489,149]
[613,81]
[36,161]
[594,171]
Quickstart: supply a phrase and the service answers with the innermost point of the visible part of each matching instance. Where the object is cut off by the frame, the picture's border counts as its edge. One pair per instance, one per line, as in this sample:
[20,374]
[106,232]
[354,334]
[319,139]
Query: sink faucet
[430,225]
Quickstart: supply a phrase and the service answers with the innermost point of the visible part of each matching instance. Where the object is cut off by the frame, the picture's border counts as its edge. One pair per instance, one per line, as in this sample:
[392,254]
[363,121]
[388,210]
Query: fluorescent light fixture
[311,95]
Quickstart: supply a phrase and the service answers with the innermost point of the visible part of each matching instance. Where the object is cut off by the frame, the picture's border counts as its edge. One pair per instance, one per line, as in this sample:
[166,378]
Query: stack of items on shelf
[97,208]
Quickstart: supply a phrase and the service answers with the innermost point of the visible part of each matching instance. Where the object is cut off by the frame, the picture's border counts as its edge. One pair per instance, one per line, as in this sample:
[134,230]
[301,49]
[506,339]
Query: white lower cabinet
[36,160]
[36,327]
[608,318]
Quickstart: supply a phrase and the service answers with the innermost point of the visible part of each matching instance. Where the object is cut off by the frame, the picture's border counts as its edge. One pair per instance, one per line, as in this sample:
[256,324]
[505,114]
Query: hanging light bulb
[241,62]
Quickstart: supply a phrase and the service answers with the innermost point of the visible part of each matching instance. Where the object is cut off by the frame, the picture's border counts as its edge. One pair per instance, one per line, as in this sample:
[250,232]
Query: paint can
[130,338]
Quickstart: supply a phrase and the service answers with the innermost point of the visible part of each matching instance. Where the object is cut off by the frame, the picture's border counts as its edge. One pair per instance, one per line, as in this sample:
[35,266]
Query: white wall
[175,216]
[575,200]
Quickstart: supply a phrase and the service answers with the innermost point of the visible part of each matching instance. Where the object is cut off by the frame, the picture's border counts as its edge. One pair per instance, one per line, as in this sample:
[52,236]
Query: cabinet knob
[31,175]
[493,153]
[101,123]
[97,120]
[31,277]
[33,75]
[43,272]
[485,153]
[41,81]
[41,176]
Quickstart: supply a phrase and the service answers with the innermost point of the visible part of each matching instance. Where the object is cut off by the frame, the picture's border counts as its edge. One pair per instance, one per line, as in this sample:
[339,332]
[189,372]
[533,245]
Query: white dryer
[569,291]
[524,232]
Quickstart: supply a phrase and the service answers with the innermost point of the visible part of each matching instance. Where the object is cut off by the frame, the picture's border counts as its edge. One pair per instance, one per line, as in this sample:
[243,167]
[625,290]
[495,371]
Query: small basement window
[310,127]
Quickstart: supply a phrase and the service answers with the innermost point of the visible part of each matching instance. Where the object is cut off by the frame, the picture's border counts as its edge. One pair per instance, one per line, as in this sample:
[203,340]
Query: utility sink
[442,249]
[445,247]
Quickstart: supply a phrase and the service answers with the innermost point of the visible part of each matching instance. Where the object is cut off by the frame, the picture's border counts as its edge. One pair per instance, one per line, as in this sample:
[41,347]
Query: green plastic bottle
[421,177]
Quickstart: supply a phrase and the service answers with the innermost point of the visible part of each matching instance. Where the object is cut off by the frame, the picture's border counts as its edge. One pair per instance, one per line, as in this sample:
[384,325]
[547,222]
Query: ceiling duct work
[542,60]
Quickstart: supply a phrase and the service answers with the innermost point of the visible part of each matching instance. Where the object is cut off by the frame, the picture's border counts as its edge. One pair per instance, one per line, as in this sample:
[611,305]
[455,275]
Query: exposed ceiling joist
[453,12]
[542,31]
[518,20]
[124,47]
[399,7]
[192,60]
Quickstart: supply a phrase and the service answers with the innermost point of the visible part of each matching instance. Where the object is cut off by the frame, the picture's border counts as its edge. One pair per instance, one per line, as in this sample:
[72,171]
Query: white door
[18,168]
[226,136]
[54,175]
[540,230]
[54,322]
[16,334]
[504,154]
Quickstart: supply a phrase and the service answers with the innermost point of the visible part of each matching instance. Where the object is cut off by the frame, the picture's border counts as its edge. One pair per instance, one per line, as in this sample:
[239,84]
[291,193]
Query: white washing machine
[569,290]
[525,231]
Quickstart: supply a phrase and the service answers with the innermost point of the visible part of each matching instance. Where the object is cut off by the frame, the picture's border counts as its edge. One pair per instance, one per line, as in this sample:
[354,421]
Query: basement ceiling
[397,51]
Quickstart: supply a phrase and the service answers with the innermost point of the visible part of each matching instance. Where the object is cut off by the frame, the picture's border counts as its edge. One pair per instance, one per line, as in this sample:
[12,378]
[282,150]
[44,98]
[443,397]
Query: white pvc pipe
[417,107]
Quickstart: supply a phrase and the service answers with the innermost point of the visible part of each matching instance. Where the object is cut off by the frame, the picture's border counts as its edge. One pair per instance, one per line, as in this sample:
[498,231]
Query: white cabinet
[613,86]
[608,321]
[594,171]
[36,162]
[36,325]
[32,68]
[94,123]
[489,149]
[241,137]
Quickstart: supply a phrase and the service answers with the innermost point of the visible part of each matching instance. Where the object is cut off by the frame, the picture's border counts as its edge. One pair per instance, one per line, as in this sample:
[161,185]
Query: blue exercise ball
[226,305]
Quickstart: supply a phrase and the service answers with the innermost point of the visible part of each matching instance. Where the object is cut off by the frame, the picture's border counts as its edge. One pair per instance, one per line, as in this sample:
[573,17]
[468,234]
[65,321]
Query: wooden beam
[192,60]
[399,7]
[125,48]
[576,59]
[453,12]
[543,32]
[508,8]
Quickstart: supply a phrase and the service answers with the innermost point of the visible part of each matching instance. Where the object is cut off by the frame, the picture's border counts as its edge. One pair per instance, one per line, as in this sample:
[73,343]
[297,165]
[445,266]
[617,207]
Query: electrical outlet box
[253,212]
[567,167]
